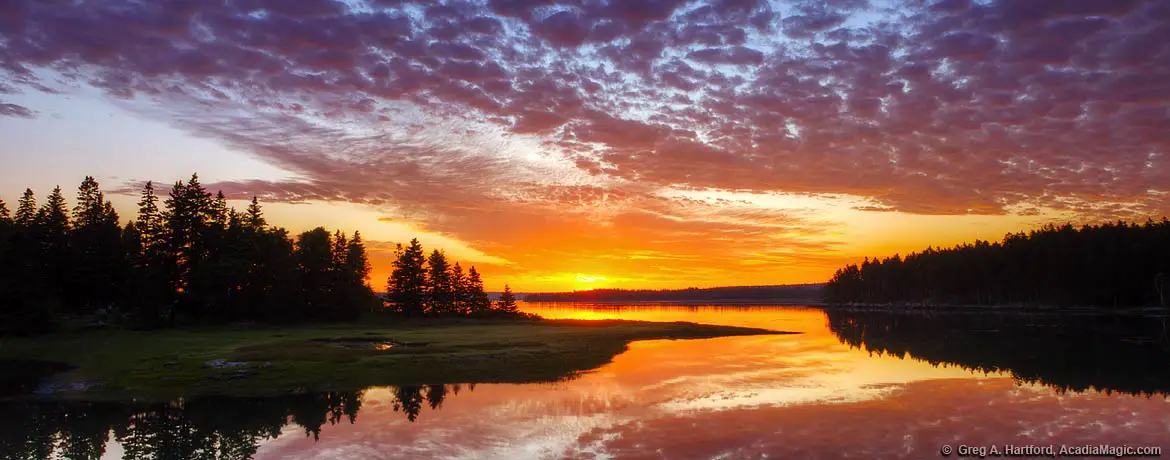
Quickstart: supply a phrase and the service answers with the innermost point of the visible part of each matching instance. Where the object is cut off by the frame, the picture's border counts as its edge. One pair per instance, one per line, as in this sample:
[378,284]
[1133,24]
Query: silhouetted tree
[477,299]
[407,285]
[507,302]
[97,263]
[197,260]
[314,258]
[26,209]
[441,299]
[255,218]
[459,293]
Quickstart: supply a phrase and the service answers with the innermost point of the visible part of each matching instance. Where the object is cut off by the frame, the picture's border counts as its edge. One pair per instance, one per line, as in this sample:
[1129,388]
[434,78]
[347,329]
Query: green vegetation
[165,364]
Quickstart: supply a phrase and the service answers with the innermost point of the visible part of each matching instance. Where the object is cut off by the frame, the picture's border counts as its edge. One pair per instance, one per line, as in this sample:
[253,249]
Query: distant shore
[1004,308]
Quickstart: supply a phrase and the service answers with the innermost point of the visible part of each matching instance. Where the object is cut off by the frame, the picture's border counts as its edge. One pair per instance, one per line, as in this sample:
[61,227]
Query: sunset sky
[575,144]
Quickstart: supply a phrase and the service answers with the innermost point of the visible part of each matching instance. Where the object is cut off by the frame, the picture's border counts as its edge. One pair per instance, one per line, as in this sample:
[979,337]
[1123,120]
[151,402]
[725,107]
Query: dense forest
[188,258]
[198,428]
[795,293]
[1110,265]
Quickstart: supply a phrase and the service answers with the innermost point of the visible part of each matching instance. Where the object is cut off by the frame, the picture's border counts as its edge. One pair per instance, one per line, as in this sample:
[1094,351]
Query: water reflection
[200,428]
[843,388]
[1068,352]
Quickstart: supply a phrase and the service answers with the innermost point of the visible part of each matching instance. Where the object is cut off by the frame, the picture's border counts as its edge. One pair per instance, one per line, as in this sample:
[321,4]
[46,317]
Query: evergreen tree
[459,289]
[507,302]
[314,258]
[357,270]
[152,291]
[440,289]
[407,285]
[26,209]
[51,230]
[255,218]
[4,213]
[356,261]
[97,265]
[151,223]
[477,299]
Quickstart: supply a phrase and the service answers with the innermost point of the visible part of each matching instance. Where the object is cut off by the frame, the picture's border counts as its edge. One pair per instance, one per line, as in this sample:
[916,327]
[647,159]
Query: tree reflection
[210,428]
[1067,351]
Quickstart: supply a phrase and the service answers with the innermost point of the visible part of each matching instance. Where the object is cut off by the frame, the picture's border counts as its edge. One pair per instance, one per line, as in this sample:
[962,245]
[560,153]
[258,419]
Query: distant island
[790,293]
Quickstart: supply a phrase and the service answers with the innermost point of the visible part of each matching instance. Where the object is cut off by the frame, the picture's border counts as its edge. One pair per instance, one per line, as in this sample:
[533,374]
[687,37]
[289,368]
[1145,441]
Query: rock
[59,387]
[233,375]
[223,363]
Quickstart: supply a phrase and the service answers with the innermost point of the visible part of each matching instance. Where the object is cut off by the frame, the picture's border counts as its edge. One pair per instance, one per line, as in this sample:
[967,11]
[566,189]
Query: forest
[1112,265]
[795,292]
[188,258]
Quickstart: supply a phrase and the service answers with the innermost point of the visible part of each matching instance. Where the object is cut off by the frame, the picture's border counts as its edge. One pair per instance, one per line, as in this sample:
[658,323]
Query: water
[851,385]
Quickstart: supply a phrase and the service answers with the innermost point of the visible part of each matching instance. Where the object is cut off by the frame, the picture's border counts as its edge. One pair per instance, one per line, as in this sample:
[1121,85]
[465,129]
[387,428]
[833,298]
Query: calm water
[851,385]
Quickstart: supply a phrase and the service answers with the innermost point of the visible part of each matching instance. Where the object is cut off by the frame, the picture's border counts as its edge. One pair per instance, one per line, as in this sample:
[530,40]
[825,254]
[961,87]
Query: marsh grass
[166,364]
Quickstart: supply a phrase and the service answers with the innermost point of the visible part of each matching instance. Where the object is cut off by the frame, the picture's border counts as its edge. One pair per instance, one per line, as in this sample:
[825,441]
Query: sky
[577,144]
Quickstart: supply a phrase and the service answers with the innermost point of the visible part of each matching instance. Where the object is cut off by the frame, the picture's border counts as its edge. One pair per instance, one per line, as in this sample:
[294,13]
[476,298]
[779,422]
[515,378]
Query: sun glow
[588,282]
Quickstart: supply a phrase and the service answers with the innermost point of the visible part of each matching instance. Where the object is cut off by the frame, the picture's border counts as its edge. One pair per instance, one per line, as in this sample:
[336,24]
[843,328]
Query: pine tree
[441,299]
[407,284]
[26,210]
[507,302]
[255,219]
[314,258]
[151,225]
[356,261]
[89,209]
[477,299]
[51,230]
[218,213]
[5,216]
[459,289]
[97,264]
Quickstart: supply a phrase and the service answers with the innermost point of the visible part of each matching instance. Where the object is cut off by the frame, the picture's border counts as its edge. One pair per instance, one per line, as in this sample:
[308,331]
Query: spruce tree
[441,291]
[51,230]
[507,302]
[407,284]
[26,210]
[314,258]
[97,262]
[459,293]
[255,216]
[477,299]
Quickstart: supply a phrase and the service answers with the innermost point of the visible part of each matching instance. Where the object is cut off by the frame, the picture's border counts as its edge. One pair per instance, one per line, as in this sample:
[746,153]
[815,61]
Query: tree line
[189,258]
[1115,264]
[430,285]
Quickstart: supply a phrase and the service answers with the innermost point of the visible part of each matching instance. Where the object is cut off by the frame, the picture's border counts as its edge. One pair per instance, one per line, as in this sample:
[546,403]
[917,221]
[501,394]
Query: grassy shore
[166,364]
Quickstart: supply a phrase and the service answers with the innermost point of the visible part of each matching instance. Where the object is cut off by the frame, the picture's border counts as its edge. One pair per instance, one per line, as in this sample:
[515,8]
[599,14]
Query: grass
[167,364]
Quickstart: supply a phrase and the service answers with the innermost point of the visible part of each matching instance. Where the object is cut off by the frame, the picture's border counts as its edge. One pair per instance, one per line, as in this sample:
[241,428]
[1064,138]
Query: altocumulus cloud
[594,107]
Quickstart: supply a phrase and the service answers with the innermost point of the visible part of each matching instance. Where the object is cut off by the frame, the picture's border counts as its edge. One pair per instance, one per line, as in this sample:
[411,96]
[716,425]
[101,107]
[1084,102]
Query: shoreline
[268,361]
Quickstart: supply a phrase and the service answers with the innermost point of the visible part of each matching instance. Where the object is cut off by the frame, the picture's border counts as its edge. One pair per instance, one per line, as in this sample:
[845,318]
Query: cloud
[14,110]
[513,109]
